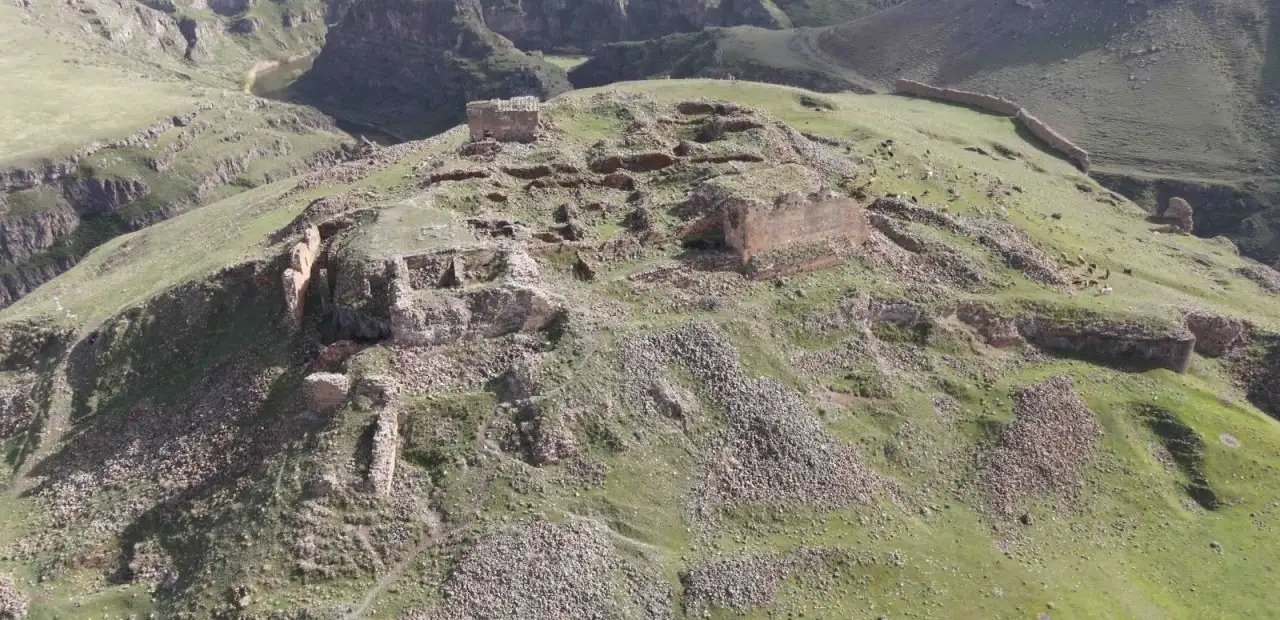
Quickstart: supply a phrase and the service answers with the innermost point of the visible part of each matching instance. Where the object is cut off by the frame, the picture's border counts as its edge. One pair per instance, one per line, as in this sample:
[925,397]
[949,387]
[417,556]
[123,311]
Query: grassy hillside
[1183,91]
[619,462]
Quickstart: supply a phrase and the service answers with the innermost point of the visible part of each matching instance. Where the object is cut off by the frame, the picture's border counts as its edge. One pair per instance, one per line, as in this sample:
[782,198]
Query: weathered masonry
[504,120]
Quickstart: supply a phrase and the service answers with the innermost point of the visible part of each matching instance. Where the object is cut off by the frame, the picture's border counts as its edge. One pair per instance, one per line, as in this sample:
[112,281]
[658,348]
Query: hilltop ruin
[504,120]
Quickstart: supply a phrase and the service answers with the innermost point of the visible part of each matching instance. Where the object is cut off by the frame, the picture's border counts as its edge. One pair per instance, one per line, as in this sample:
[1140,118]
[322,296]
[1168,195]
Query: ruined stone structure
[1055,140]
[1114,343]
[978,100]
[325,392]
[298,274]
[998,105]
[1180,214]
[382,461]
[752,228]
[504,120]
[1215,334]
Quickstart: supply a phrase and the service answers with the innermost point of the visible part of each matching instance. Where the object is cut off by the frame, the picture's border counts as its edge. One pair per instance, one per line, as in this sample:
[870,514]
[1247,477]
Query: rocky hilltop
[411,66]
[671,350]
[1174,98]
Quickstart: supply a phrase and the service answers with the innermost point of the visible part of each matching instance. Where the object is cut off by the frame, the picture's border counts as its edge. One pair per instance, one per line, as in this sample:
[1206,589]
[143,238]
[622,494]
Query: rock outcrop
[414,66]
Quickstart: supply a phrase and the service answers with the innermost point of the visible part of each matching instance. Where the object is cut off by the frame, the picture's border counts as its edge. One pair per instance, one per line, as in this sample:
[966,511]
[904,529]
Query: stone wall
[298,274]
[977,100]
[1120,344]
[1055,140]
[997,105]
[794,219]
[504,120]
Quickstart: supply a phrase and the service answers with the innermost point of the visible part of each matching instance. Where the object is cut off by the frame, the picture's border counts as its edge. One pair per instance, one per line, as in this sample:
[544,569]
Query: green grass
[1133,545]
[565,62]
[32,202]
[49,83]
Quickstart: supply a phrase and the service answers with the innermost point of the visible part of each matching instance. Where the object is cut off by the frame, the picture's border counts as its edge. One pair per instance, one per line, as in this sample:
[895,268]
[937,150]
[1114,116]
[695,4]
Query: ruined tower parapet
[504,120]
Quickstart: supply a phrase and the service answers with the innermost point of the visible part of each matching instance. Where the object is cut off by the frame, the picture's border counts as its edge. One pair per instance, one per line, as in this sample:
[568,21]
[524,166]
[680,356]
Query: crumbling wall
[1114,343]
[296,277]
[504,120]
[1055,140]
[382,461]
[977,100]
[794,219]
[998,105]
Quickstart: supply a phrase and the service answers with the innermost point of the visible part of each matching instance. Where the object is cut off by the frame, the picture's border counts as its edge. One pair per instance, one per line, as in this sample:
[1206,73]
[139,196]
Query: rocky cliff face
[54,212]
[584,26]
[412,66]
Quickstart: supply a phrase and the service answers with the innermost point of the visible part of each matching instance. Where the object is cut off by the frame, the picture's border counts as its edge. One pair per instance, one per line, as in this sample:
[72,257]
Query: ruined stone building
[794,219]
[504,120]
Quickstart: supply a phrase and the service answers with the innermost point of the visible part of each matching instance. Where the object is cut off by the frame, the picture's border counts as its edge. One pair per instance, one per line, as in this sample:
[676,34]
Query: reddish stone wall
[1037,127]
[751,227]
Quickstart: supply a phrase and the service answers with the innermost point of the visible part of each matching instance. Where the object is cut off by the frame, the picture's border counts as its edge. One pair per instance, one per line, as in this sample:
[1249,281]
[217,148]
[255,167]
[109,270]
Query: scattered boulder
[1179,213]
[335,355]
[1215,334]
[245,25]
[326,391]
[584,268]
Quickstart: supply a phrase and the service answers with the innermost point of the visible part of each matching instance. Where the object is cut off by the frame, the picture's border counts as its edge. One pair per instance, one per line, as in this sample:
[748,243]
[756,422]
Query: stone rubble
[774,450]
[536,570]
[13,606]
[1044,449]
